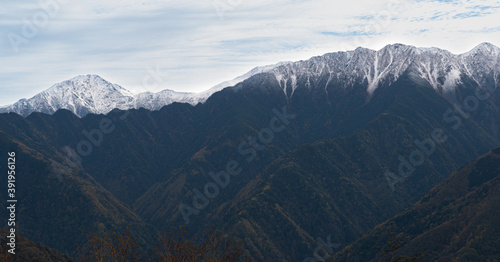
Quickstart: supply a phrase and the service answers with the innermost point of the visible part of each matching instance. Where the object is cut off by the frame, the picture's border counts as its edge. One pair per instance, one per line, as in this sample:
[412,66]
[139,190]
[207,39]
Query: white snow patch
[452,79]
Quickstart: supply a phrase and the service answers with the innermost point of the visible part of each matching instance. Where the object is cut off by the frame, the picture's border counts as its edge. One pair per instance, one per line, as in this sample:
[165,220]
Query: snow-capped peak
[86,94]
[82,95]
[485,48]
[440,68]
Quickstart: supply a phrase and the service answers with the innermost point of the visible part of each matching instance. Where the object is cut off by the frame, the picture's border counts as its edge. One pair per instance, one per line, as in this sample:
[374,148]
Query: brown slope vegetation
[457,221]
[154,159]
[334,187]
[26,250]
[58,207]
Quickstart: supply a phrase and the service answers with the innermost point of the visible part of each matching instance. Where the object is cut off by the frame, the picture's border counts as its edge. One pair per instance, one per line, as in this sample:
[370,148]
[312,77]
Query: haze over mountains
[92,94]
[442,69]
[312,140]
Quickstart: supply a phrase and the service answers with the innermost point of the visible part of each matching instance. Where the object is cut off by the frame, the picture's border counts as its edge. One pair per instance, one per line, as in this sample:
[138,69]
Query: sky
[192,45]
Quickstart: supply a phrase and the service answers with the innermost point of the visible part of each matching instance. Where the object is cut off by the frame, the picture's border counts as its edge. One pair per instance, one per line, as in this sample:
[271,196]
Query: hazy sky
[194,45]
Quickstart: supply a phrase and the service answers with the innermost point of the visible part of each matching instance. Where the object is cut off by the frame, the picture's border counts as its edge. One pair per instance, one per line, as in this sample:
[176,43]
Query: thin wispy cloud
[198,44]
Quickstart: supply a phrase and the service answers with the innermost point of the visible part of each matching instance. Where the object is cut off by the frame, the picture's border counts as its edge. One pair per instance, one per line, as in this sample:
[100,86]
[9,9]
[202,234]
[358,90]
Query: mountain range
[292,156]
[87,94]
[443,70]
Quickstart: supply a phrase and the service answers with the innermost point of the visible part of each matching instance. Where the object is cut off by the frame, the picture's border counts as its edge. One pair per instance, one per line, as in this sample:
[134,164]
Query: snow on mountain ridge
[92,94]
[202,96]
[440,68]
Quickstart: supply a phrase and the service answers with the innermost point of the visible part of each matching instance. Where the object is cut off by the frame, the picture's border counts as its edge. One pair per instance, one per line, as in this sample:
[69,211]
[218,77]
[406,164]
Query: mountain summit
[81,95]
[92,94]
[86,94]
[326,149]
[361,67]
[440,68]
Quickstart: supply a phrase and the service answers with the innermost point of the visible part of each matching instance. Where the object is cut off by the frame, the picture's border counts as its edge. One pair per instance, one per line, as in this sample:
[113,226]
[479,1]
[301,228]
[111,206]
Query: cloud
[350,33]
[199,43]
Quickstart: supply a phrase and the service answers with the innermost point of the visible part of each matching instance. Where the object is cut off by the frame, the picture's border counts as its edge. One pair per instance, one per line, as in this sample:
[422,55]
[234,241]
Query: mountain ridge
[326,165]
[455,221]
[63,96]
[442,69]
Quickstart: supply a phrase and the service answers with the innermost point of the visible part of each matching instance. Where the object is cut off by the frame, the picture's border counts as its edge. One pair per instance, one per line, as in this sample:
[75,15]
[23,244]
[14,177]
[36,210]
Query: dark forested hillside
[58,206]
[277,170]
[456,221]
[26,250]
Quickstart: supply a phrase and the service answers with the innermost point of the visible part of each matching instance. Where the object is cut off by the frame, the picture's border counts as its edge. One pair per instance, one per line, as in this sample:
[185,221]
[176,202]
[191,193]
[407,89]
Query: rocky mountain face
[305,147]
[87,94]
[91,94]
[441,69]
